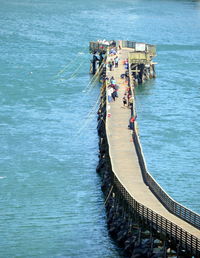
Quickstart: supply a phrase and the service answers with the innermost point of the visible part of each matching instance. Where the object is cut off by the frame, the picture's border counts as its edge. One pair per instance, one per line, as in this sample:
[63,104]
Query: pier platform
[136,203]
[122,152]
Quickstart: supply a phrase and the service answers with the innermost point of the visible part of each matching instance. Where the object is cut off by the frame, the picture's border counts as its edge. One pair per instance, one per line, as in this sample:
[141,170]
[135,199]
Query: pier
[142,217]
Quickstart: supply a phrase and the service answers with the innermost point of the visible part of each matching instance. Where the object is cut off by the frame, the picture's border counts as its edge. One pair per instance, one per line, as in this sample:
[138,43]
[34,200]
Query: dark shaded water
[51,203]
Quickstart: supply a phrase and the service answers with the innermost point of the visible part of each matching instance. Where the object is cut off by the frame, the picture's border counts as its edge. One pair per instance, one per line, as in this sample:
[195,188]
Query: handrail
[96,46]
[151,49]
[173,206]
[158,222]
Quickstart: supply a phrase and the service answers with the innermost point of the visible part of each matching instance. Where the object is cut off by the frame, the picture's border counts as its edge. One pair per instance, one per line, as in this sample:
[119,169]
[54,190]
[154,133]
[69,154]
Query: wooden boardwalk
[123,155]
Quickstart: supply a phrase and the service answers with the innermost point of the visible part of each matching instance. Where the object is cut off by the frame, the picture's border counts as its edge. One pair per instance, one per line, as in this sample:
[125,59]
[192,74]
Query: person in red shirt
[131,122]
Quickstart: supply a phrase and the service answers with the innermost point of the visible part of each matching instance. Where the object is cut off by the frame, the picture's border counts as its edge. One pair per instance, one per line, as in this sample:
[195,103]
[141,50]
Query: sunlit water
[51,203]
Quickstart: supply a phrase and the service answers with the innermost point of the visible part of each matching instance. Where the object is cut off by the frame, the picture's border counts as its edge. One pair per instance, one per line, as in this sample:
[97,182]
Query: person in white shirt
[109,94]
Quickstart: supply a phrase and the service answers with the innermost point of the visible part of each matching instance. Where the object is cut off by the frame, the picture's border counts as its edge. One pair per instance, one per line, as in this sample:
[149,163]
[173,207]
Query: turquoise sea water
[51,204]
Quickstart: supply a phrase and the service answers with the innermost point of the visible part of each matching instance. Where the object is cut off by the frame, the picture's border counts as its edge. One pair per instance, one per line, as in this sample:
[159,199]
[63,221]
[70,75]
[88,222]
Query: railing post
[176,231]
[181,235]
[135,210]
[170,230]
[186,239]
[191,242]
[157,226]
[196,246]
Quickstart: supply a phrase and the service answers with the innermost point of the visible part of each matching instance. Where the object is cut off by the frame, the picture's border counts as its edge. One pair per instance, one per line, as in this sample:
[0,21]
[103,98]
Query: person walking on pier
[110,65]
[116,88]
[130,103]
[109,93]
[124,101]
[126,65]
[114,95]
[112,61]
[116,61]
[112,80]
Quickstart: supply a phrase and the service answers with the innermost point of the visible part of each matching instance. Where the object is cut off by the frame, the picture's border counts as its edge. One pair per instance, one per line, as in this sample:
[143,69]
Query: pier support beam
[100,58]
[94,63]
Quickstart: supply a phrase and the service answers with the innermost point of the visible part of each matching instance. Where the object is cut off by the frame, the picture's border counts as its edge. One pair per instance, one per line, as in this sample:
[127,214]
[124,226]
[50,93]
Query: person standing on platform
[110,65]
[131,122]
[109,93]
[116,88]
[126,65]
[112,80]
[124,101]
[130,102]
[113,95]
[116,61]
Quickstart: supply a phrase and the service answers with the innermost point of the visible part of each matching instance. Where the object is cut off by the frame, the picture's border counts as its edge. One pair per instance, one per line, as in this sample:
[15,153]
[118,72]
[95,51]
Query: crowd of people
[113,63]
[112,89]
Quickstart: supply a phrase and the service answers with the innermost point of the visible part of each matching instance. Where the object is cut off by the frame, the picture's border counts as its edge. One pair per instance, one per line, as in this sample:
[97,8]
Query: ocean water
[51,203]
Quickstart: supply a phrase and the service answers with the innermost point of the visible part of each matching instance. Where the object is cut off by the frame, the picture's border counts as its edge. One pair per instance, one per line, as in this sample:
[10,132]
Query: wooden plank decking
[123,155]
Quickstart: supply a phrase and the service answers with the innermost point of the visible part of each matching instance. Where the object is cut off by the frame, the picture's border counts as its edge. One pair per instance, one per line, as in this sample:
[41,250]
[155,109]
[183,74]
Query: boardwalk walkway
[123,155]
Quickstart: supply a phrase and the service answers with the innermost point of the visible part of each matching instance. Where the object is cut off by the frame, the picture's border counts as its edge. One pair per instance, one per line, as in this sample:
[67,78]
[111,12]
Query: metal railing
[151,49]
[128,44]
[159,223]
[100,46]
[173,206]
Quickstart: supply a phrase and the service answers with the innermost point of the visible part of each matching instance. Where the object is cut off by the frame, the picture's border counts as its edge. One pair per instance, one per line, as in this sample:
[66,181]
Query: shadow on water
[145,88]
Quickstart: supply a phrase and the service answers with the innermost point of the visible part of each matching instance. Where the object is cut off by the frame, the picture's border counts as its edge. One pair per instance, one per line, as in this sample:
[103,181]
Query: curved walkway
[123,155]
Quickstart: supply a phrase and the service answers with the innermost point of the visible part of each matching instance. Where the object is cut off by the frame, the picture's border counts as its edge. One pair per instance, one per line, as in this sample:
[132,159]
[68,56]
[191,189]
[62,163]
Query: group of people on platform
[113,63]
[112,87]
[112,90]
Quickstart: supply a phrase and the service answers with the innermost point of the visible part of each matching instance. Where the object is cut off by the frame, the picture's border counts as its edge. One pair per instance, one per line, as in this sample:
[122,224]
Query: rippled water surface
[51,203]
